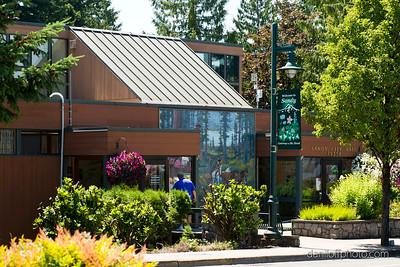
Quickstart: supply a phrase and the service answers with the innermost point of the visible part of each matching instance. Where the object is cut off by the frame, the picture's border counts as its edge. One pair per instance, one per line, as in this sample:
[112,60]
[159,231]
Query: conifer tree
[30,82]
[193,19]
[252,15]
[82,13]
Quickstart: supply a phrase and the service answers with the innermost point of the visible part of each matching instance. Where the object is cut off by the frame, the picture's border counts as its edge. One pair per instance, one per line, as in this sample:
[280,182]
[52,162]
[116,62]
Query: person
[185,185]
[188,186]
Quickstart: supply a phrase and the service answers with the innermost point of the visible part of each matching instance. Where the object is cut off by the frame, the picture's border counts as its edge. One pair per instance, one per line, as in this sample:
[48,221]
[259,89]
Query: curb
[354,254]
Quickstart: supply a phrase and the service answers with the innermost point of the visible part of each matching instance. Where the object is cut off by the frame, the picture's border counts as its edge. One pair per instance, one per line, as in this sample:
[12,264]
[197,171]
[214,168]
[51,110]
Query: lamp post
[291,69]
[62,134]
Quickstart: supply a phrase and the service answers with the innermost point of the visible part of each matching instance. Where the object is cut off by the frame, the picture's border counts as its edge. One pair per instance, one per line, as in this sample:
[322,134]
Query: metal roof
[160,70]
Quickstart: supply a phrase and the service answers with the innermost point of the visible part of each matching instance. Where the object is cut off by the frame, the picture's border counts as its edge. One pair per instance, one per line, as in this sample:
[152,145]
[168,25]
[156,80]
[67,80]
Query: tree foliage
[82,13]
[252,16]
[292,18]
[32,82]
[358,96]
[194,19]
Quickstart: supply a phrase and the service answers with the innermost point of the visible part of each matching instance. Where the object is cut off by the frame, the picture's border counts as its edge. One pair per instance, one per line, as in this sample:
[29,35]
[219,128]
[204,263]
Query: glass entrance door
[331,173]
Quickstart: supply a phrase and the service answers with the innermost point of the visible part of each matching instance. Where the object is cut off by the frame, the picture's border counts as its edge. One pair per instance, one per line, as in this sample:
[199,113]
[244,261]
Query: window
[41,56]
[227,66]
[218,64]
[51,51]
[7,141]
[39,143]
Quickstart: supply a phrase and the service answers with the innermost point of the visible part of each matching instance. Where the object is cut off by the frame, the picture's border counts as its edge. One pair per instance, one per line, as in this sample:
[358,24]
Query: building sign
[289,119]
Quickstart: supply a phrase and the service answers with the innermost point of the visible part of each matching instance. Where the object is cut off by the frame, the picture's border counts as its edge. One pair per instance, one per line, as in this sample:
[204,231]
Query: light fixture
[291,68]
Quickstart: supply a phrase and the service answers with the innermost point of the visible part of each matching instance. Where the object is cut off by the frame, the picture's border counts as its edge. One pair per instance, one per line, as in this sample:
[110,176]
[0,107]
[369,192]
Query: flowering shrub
[127,167]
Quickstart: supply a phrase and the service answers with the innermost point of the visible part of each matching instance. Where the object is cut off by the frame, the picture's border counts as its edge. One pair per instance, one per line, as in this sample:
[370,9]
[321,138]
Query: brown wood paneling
[311,147]
[42,115]
[87,143]
[215,48]
[93,80]
[25,29]
[262,121]
[25,182]
[114,116]
[325,147]
[157,142]
[173,143]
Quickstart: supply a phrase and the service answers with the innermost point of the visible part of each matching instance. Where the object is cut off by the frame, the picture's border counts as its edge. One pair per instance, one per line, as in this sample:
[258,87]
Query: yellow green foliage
[78,249]
[328,213]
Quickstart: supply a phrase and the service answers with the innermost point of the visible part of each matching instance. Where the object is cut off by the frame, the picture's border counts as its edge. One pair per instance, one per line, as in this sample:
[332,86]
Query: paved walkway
[310,249]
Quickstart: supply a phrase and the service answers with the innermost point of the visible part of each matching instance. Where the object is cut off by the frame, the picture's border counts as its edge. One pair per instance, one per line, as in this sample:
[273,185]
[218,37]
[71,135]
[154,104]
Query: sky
[136,15]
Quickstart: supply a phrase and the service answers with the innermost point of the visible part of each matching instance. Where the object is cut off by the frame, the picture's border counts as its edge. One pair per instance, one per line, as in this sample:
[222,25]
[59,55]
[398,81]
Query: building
[152,95]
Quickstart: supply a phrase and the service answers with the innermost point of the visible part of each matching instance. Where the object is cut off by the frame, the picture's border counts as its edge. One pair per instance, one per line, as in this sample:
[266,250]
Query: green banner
[289,119]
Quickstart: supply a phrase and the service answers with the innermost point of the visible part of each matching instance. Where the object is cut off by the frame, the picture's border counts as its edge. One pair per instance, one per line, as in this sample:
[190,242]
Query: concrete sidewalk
[310,249]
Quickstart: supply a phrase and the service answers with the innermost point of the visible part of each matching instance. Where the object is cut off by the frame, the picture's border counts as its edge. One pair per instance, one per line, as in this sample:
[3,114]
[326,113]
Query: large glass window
[155,174]
[227,144]
[218,64]
[7,141]
[178,165]
[41,56]
[232,69]
[312,181]
[51,51]
[36,143]
[227,66]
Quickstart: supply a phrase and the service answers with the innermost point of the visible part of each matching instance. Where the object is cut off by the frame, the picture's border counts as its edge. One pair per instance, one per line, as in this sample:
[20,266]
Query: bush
[328,213]
[179,205]
[74,208]
[233,209]
[361,191]
[134,223]
[395,209]
[69,250]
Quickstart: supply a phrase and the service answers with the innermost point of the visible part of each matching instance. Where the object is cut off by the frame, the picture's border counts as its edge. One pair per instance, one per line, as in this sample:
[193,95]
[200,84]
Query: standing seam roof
[160,69]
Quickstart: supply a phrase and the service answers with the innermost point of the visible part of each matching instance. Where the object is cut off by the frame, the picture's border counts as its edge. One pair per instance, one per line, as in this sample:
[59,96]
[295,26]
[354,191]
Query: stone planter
[344,229]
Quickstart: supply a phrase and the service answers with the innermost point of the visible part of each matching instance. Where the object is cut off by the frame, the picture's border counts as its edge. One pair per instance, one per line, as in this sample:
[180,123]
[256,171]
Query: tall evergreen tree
[252,15]
[82,13]
[194,19]
[30,82]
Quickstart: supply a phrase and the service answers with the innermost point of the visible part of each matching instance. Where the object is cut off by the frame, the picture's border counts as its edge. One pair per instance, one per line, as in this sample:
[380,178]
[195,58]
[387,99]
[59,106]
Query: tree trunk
[385,234]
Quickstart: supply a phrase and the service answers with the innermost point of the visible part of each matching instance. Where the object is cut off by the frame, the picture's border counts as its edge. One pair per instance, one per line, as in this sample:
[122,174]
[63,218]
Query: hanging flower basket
[127,167]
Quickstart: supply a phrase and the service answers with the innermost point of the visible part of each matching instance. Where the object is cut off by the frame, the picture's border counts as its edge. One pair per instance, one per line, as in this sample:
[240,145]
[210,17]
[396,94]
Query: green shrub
[233,209]
[179,205]
[69,250]
[134,223]
[395,209]
[328,213]
[74,208]
[361,191]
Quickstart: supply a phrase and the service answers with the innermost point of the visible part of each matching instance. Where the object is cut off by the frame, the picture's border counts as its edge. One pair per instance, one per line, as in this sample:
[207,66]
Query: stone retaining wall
[344,229]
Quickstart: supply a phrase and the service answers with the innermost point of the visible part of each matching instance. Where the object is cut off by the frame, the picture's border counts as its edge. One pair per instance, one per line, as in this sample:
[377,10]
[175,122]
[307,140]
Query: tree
[82,13]
[292,17]
[358,95]
[30,82]
[194,19]
[252,16]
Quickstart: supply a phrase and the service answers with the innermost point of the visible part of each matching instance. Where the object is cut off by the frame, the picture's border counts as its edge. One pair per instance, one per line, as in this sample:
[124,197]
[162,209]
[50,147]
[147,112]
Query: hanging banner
[289,119]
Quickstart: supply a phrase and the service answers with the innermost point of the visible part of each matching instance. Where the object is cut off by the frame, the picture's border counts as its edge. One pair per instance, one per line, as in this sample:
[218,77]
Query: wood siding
[25,182]
[155,143]
[42,115]
[311,147]
[114,116]
[25,29]
[93,80]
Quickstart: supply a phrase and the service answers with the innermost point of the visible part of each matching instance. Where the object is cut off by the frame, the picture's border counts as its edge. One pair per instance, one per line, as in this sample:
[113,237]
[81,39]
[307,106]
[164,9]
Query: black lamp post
[291,69]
